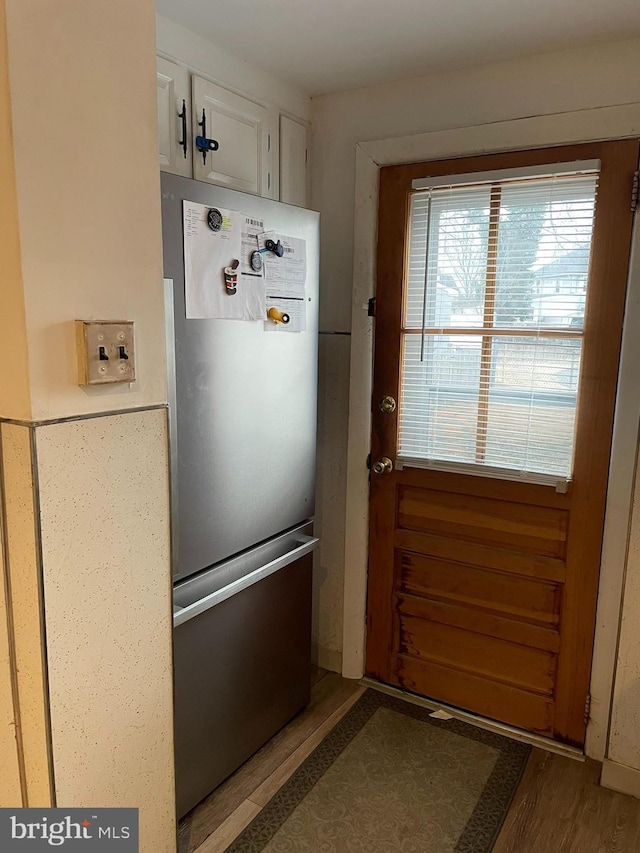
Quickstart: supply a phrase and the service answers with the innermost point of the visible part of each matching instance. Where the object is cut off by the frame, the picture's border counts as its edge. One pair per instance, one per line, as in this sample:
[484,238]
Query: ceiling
[330,45]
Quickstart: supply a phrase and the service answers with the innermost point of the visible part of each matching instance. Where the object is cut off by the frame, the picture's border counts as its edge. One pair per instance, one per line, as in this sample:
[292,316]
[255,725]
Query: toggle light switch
[105,351]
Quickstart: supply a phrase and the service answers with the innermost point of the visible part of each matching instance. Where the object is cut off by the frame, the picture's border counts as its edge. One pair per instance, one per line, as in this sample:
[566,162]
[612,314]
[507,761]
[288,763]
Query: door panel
[293,162]
[481,622]
[241,129]
[527,710]
[491,595]
[482,590]
[529,565]
[172,89]
[510,663]
[540,530]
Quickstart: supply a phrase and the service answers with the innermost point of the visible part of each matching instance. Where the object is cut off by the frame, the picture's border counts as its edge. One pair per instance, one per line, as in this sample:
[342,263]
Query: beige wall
[14,379]
[86,500]
[20,528]
[10,777]
[575,82]
[82,78]
[14,395]
[104,504]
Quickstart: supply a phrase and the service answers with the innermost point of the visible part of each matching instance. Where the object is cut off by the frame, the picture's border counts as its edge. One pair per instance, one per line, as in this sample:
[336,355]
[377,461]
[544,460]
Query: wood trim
[465,484]
[488,318]
[496,333]
[393,214]
[611,246]
[407,172]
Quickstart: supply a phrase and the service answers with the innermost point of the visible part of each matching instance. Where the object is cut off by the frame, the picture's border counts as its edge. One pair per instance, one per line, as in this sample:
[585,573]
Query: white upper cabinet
[241,129]
[174,117]
[293,161]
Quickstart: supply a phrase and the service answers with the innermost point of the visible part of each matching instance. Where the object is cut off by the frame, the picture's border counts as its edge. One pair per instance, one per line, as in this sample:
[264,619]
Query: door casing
[566,128]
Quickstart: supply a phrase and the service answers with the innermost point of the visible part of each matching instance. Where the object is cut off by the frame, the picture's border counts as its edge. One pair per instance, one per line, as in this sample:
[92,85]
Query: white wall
[624,737]
[540,85]
[229,70]
[575,82]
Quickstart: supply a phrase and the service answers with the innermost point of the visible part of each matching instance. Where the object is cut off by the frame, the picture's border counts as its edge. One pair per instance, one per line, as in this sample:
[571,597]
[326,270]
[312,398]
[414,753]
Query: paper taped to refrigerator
[285,276]
[207,252]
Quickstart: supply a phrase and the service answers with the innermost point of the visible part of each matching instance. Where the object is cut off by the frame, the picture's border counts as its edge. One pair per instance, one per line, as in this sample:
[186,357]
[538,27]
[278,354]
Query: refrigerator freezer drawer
[242,655]
[210,588]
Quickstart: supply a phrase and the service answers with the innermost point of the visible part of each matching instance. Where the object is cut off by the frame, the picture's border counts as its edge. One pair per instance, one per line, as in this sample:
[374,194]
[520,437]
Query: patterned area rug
[391,779]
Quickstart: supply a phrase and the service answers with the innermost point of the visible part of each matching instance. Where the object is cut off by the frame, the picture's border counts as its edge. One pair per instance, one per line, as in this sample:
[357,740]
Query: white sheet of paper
[441,715]
[206,254]
[295,308]
[285,276]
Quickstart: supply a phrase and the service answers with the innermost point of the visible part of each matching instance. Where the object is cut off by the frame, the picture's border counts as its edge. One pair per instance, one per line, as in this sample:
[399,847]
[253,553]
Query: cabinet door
[172,82]
[241,129]
[293,161]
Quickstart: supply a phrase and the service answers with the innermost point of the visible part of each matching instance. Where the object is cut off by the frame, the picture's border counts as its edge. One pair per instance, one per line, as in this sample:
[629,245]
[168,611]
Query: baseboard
[326,658]
[621,778]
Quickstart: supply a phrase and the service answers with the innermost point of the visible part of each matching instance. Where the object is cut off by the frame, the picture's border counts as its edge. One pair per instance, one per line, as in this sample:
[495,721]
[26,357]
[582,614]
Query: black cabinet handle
[203,144]
[183,116]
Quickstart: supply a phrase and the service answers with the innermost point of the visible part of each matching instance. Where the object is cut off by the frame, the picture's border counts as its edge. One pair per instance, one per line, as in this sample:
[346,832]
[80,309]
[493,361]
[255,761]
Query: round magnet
[214,219]
[256,261]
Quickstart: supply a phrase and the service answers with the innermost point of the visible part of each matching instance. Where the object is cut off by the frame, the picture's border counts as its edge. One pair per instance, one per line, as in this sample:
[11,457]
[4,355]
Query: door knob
[382,466]
[387,405]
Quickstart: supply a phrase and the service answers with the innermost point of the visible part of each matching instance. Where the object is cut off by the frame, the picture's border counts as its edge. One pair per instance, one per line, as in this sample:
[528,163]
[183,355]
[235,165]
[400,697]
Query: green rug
[391,779]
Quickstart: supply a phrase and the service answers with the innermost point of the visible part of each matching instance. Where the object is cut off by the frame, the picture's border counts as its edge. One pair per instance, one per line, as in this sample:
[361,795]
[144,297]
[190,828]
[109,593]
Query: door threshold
[481,722]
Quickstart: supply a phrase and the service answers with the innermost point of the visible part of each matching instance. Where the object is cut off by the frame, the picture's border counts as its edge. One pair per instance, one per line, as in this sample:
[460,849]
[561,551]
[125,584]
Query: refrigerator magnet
[231,277]
[214,219]
[278,316]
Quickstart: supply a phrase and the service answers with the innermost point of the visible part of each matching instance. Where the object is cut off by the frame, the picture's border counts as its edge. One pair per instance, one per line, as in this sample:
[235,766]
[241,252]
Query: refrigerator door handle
[306,544]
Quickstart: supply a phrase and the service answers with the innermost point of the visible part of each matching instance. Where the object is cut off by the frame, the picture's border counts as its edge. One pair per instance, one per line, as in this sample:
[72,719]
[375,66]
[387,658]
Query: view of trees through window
[494,312]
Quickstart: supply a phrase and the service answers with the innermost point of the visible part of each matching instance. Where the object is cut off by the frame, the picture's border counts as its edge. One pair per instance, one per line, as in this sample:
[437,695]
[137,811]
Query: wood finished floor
[558,808]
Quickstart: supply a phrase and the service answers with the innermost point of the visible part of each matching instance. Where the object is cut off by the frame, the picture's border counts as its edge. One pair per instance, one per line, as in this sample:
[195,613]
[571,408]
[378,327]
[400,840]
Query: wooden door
[241,128]
[482,589]
[174,117]
[293,162]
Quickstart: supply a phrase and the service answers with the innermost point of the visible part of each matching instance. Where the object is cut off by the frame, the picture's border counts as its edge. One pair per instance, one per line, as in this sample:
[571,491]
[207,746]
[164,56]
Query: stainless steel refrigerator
[242,412]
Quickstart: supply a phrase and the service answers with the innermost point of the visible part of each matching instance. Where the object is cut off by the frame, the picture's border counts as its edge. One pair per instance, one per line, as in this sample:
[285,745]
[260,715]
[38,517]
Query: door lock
[387,405]
[382,466]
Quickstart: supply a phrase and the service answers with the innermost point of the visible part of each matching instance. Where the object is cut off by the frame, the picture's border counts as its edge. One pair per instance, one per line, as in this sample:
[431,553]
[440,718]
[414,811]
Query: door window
[493,323]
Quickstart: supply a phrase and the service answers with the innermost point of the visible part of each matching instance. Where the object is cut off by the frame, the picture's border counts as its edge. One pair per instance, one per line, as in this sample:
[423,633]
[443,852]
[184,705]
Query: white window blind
[493,325]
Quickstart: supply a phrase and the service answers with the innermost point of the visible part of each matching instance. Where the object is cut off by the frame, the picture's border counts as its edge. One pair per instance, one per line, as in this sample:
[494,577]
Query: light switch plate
[106,351]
